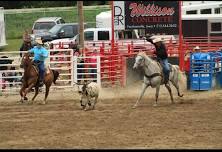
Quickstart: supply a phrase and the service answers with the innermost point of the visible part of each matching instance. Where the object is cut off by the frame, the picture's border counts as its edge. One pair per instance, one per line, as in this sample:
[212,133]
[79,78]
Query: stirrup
[41,83]
[166,81]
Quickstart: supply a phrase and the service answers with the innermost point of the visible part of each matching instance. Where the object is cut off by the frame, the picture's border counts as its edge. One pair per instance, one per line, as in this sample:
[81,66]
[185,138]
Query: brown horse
[30,78]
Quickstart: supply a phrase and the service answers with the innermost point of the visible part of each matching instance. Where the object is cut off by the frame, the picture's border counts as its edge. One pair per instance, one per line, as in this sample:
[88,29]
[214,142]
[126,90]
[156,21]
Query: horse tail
[180,73]
[55,76]
[181,79]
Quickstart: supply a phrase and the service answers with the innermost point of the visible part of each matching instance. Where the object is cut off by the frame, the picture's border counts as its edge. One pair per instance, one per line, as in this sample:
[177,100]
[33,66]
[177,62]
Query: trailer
[202,25]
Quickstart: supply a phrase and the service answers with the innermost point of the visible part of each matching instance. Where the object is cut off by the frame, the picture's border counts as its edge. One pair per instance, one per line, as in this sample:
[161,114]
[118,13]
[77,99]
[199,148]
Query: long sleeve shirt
[40,54]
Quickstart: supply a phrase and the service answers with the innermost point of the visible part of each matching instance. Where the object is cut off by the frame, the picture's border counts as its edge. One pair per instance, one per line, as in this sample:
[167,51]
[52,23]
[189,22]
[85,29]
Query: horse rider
[40,54]
[162,56]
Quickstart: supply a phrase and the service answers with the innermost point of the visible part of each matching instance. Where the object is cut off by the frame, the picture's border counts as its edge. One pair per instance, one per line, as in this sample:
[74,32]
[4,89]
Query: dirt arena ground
[194,122]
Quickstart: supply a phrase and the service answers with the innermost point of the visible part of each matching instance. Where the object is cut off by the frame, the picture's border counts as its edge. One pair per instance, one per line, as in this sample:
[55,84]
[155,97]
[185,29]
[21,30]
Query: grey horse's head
[139,60]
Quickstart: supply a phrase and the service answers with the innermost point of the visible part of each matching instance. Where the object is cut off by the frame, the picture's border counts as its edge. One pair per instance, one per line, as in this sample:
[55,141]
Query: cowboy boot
[41,82]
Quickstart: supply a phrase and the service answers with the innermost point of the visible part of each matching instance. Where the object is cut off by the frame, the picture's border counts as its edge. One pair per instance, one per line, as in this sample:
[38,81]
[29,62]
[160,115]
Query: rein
[152,75]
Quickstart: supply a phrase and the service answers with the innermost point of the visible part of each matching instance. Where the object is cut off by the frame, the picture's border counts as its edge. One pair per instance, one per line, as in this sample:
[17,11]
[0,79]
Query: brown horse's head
[26,60]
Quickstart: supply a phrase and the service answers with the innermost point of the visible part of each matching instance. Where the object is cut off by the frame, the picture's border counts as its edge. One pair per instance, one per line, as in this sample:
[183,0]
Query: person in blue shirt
[40,55]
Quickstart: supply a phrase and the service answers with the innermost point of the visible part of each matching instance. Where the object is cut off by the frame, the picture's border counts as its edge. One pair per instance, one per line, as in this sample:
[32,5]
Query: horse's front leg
[22,93]
[170,92]
[28,89]
[157,95]
[141,94]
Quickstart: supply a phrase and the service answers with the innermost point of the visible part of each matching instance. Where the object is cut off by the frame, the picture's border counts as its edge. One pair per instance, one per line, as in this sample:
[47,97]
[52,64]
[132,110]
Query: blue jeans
[41,67]
[166,67]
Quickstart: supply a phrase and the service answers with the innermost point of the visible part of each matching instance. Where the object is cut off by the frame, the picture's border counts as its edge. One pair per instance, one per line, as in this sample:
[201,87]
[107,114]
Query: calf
[89,91]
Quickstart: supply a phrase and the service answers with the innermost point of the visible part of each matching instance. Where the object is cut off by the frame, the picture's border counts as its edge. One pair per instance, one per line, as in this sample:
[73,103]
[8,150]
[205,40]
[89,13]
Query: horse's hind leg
[169,90]
[36,92]
[178,90]
[21,94]
[46,93]
[141,94]
[157,95]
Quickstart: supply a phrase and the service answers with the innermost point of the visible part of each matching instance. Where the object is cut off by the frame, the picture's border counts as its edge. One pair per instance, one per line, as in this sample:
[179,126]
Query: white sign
[119,15]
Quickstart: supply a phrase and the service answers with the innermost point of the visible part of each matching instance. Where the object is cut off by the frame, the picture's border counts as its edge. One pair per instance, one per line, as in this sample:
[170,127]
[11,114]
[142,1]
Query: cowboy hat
[197,48]
[38,41]
[157,40]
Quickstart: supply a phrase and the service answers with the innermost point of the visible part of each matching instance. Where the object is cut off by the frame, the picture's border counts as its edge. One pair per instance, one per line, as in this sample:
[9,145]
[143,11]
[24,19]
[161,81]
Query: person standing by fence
[26,45]
[93,61]
[187,68]
[80,63]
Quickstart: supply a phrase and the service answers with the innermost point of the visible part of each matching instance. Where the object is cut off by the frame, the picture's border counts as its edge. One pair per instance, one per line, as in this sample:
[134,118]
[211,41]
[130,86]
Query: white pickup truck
[99,35]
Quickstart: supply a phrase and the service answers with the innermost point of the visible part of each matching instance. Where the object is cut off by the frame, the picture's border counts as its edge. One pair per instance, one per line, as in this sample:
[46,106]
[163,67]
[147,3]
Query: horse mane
[143,54]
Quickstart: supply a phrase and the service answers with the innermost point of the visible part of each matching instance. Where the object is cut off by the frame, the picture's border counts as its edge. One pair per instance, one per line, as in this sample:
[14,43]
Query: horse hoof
[25,98]
[134,107]
[43,103]
[155,105]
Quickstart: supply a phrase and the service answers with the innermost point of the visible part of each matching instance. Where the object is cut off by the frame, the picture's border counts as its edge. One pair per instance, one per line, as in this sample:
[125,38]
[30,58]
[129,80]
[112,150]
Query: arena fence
[11,74]
[109,69]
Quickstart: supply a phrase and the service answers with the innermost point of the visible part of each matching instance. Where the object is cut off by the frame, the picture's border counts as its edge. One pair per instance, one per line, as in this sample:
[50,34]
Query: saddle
[162,73]
[35,65]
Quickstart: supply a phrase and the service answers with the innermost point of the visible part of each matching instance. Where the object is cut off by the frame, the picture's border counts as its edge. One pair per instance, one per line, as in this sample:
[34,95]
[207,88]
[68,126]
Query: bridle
[147,65]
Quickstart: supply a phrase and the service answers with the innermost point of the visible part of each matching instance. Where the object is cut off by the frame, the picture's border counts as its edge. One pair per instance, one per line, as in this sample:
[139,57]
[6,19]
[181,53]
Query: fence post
[75,69]
[98,71]
[72,66]
[1,83]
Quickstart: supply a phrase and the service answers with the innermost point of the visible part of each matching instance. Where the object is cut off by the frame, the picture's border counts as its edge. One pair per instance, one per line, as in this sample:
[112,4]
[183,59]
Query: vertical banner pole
[112,41]
[181,51]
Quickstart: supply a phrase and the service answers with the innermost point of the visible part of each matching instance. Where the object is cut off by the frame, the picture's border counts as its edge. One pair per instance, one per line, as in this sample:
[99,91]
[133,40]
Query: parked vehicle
[103,35]
[59,31]
[46,23]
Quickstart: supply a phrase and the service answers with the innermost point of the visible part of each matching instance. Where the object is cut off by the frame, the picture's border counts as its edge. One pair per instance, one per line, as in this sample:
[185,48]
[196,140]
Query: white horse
[154,76]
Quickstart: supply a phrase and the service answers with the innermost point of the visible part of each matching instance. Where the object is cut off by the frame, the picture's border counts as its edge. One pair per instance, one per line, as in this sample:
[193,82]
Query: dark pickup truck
[59,31]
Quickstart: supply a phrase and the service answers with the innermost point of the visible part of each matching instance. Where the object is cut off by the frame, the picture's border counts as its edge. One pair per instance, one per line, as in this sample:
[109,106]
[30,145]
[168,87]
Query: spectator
[80,64]
[93,61]
[5,60]
[26,45]
[26,36]
[197,66]
[4,74]
[187,68]
[11,74]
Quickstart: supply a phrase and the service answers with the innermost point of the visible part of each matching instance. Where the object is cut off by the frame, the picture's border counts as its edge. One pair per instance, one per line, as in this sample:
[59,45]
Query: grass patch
[16,23]
[13,45]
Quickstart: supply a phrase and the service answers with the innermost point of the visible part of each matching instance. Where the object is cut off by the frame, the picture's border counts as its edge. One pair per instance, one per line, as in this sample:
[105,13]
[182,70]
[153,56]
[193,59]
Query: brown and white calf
[89,91]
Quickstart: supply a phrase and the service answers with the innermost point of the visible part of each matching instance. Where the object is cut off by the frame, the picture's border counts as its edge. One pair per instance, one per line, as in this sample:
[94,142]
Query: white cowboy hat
[197,48]
[157,40]
[38,41]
